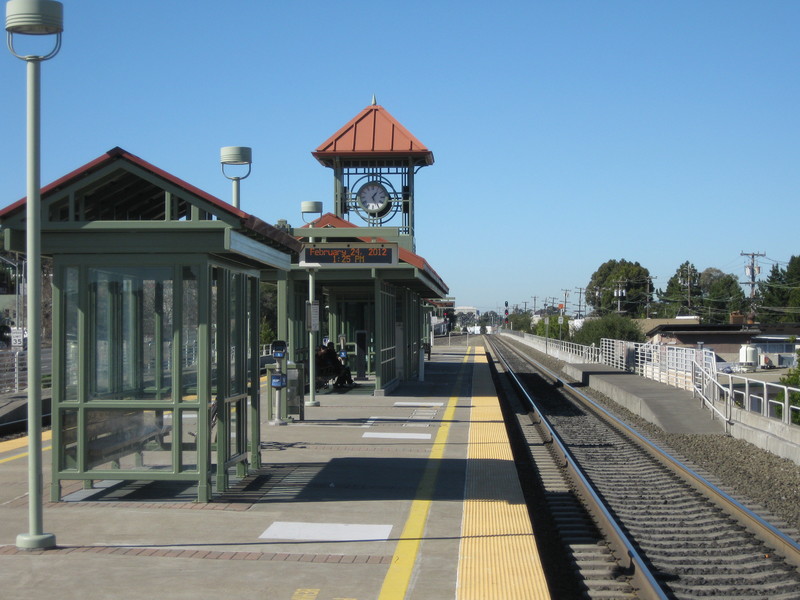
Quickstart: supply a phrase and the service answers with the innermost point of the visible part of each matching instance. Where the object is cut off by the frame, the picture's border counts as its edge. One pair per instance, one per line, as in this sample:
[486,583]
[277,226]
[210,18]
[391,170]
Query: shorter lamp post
[34,17]
[236,155]
[306,208]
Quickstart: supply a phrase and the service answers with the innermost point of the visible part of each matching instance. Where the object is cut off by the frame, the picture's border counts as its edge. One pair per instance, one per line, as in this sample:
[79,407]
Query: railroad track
[656,528]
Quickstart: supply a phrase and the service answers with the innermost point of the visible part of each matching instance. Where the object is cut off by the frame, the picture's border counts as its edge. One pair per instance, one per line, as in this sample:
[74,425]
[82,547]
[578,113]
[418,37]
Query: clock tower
[374,161]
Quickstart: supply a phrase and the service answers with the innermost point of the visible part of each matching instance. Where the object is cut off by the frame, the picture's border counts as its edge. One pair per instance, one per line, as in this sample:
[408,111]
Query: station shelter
[358,280]
[156,324]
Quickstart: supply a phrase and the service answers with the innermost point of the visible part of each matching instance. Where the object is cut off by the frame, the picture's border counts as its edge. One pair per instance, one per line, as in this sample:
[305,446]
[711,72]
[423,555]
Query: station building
[156,350]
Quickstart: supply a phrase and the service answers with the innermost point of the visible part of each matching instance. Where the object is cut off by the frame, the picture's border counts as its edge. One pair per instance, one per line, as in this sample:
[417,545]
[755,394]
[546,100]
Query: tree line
[620,291]
[627,288]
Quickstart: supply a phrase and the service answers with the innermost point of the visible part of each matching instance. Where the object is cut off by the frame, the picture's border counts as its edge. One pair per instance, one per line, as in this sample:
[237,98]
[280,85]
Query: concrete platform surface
[363,499]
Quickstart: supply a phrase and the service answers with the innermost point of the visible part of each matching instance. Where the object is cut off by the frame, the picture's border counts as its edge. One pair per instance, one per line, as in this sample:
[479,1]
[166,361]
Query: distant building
[775,341]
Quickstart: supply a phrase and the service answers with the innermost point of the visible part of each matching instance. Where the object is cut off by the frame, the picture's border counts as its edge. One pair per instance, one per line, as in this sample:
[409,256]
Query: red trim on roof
[248,221]
[119,153]
[373,133]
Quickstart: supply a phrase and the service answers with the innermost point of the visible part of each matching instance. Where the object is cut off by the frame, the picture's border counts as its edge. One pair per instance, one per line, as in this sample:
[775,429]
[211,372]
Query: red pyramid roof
[373,133]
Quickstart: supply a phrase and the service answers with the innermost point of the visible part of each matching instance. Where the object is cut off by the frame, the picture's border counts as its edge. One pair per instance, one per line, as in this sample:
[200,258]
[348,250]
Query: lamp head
[34,17]
[310,207]
[236,155]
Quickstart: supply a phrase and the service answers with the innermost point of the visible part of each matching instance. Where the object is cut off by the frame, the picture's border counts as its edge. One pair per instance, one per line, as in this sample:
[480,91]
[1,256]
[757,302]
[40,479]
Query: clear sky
[566,133]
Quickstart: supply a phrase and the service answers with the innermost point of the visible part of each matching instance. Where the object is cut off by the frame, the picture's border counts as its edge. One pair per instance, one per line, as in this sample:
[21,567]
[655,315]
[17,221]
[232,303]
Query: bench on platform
[325,375]
[112,434]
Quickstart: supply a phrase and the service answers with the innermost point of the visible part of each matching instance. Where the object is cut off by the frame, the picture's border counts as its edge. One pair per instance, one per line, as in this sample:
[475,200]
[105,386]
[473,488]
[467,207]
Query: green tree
[620,285]
[268,304]
[779,295]
[267,333]
[721,295]
[773,295]
[520,321]
[682,295]
[612,326]
[547,326]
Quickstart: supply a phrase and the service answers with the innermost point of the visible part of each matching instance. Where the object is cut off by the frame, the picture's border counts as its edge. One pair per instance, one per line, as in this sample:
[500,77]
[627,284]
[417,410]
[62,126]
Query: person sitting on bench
[326,370]
[344,377]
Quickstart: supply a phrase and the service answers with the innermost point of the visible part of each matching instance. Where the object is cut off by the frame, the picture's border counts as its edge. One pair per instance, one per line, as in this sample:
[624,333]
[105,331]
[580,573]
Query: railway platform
[409,495]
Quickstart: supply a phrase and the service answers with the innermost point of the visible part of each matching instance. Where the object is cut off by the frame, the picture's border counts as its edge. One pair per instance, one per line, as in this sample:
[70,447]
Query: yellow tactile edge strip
[498,557]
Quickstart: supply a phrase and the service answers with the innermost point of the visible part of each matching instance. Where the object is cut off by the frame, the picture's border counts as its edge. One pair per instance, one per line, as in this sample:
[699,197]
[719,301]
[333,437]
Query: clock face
[373,197]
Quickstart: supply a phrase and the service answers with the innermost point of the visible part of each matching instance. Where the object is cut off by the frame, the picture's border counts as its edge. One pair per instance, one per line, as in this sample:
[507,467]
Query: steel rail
[754,523]
[641,575]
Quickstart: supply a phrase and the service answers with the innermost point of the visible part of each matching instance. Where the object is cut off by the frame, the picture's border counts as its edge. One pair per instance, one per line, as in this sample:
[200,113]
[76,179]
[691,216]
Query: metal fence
[690,369]
[13,371]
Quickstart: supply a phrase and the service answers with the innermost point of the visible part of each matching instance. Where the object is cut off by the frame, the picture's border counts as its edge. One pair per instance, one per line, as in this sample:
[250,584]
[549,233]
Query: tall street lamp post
[34,17]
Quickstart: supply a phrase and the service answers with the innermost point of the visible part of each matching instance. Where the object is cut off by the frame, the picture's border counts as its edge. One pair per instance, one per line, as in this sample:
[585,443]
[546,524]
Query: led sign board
[333,255]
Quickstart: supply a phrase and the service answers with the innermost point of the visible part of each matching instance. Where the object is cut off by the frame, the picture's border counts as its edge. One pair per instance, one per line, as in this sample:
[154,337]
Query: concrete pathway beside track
[672,409]
[412,495]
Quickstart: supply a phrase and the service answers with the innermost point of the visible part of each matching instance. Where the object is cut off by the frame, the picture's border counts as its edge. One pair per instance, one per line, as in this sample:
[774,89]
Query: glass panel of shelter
[144,379]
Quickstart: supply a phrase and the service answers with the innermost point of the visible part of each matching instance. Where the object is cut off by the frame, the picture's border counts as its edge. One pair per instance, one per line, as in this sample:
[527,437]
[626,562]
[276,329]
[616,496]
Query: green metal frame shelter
[155,325]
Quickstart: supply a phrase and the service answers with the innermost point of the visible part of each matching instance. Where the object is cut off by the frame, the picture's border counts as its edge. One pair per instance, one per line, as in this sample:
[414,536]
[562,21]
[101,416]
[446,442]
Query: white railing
[769,399]
[566,351]
[689,369]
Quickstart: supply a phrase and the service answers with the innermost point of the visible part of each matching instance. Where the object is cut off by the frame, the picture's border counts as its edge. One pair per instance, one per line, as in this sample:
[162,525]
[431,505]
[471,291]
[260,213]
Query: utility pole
[534,298]
[563,312]
[620,293]
[580,294]
[688,284]
[751,271]
[649,283]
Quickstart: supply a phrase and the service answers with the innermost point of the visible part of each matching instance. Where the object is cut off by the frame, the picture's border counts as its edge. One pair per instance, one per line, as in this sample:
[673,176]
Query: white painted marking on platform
[371,421]
[399,436]
[420,404]
[325,532]
[419,414]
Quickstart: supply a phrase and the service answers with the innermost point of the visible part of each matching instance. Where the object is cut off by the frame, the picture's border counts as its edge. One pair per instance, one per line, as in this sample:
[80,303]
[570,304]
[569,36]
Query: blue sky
[565,133]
